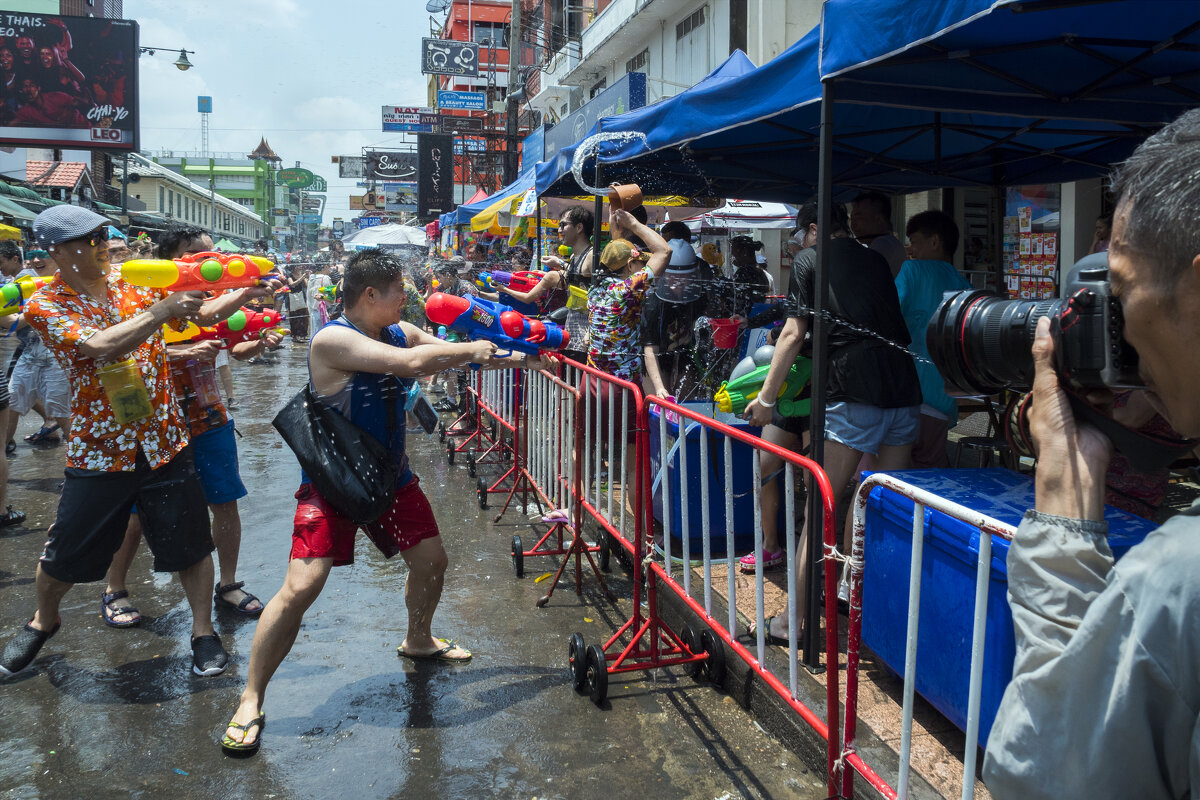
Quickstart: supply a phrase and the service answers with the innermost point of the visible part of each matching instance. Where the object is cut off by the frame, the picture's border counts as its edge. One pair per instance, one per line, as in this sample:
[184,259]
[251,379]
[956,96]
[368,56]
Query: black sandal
[233,747]
[11,517]
[220,601]
[110,614]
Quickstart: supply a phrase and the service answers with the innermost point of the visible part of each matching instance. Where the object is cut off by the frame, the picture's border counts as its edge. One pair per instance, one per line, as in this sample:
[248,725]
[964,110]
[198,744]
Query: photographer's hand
[1072,458]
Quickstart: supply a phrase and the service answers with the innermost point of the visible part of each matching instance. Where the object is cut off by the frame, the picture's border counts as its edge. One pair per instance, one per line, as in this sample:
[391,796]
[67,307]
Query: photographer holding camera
[1105,700]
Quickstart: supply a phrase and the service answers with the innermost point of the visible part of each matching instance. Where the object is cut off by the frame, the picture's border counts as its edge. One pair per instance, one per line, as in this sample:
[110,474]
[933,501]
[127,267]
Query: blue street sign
[369,222]
[462,101]
[308,219]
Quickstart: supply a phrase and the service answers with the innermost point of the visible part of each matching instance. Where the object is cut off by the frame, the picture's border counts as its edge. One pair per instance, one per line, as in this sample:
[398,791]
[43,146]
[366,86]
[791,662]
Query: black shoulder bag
[348,466]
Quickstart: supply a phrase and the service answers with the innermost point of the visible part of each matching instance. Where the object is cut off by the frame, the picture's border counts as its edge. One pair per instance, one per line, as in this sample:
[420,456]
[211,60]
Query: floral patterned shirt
[65,320]
[615,307]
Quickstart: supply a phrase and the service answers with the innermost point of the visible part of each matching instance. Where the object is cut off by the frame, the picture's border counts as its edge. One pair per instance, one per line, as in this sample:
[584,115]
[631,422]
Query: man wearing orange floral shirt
[128,441]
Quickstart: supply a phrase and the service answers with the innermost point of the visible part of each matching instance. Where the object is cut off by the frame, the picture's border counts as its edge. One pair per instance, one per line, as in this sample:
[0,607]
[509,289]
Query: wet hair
[807,215]
[478,247]
[1159,186]
[935,223]
[578,215]
[175,237]
[676,230]
[369,269]
[9,249]
[880,202]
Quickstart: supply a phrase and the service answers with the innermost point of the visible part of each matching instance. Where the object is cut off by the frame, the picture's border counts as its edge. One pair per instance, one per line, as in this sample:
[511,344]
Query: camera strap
[1146,452]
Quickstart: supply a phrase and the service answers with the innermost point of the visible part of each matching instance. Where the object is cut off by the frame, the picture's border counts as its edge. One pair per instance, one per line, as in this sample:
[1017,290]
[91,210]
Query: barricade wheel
[691,641]
[518,557]
[597,674]
[577,659]
[481,488]
[471,464]
[450,451]
[441,431]
[714,667]
[605,555]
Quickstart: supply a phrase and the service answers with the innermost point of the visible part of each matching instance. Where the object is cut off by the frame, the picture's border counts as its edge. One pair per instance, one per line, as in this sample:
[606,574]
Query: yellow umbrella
[9,232]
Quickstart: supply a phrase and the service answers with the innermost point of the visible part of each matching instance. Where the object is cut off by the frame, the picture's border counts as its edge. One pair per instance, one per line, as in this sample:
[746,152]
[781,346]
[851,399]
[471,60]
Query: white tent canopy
[384,235]
[746,214]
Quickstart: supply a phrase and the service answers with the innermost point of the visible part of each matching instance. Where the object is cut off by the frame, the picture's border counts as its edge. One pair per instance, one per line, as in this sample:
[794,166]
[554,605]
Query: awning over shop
[501,202]
[9,232]
[13,209]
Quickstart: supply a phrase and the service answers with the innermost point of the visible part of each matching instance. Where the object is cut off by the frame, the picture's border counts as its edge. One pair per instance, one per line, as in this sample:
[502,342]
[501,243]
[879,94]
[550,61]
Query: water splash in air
[590,147]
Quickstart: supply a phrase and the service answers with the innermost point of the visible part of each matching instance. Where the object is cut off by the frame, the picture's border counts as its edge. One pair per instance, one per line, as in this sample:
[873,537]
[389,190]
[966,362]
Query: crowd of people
[151,452]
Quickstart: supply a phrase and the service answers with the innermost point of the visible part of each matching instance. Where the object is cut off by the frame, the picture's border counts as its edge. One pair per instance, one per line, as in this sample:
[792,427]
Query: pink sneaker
[748,561]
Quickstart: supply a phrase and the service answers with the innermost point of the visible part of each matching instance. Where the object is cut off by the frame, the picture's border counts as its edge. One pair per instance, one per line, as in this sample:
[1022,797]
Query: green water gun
[734,395]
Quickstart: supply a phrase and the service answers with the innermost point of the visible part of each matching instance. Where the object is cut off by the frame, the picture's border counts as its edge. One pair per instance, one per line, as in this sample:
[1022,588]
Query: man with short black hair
[1105,699]
[354,363]
[871,224]
[128,439]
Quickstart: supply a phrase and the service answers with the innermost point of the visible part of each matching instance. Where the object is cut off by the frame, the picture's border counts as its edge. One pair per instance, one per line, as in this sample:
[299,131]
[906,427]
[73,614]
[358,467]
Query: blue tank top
[363,401]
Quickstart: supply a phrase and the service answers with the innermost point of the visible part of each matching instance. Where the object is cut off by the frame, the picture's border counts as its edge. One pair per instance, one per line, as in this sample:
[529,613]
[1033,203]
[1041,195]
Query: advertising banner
[295,177]
[628,93]
[435,182]
[369,222]
[462,101]
[356,202]
[410,119]
[204,104]
[533,148]
[400,196]
[390,165]
[74,82]
[453,124]
[449,57]
[351,166]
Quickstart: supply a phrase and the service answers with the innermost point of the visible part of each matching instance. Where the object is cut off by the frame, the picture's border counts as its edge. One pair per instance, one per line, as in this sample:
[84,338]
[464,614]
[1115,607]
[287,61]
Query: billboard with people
[68,81]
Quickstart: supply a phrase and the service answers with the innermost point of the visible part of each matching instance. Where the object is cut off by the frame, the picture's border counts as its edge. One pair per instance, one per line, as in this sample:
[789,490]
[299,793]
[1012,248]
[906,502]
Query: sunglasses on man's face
[97,237]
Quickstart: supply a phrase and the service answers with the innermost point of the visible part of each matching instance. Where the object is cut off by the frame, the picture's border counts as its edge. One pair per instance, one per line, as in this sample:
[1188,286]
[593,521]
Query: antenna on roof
[436,6]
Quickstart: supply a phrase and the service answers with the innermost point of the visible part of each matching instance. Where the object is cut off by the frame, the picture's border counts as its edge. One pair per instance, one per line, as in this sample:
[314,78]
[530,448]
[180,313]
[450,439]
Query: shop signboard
[295,177]
[339,228]
[351,166]
[461,125]
[318,184]
[449,57]
[410,119]
[628,93]
[204,104]
[462,101]
[390,165]
[470,146]
[435,181]
[100,113]
[356,202]
[369,222]
[400,196]
[533,147]
[308,219]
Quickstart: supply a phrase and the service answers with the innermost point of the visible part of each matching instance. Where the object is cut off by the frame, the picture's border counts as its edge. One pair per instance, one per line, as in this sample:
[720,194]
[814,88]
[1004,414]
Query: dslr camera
[982,344]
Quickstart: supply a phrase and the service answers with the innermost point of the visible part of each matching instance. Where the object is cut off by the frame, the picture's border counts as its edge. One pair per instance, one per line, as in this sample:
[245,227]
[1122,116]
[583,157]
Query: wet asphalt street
[117,713]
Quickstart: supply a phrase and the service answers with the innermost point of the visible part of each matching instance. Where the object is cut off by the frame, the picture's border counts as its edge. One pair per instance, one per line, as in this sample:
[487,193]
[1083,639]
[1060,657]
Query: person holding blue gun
[499,324]
[355,363]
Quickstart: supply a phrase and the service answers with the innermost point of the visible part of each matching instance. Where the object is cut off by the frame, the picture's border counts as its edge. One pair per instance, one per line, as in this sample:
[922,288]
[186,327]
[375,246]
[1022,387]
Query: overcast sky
[310,75]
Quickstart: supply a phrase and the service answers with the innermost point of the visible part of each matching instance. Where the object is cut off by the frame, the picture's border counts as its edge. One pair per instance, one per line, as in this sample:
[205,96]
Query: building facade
[174,197]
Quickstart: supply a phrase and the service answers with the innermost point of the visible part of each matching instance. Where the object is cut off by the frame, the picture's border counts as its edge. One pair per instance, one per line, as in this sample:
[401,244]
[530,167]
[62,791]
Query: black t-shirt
[750,287]
[862,293]
[671,328]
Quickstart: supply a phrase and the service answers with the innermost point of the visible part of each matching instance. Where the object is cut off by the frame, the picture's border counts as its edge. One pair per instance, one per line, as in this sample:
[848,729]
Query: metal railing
[988,527]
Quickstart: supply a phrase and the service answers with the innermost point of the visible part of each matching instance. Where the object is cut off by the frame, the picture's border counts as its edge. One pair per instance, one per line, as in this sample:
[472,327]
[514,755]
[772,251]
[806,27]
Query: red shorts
[318,531]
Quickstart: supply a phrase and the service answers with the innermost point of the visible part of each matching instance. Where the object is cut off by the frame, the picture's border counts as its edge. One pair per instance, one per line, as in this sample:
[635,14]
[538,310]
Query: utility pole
[516,91]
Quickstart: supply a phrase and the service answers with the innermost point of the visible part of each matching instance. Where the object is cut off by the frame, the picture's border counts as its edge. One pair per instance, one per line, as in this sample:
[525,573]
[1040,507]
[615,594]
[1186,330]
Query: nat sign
[435,181]
[70,81]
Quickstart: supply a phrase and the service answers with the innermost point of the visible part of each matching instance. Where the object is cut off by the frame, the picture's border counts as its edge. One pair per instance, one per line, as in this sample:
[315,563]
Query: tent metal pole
[597,213]
[820,377]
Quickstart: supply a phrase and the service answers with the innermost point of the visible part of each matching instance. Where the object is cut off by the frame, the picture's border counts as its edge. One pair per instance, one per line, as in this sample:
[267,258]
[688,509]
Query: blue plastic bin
[742,486]
[948,583]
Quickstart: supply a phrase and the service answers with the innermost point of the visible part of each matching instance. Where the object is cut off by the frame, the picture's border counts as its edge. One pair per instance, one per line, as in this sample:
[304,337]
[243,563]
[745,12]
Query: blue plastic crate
[741,486]
[948,583]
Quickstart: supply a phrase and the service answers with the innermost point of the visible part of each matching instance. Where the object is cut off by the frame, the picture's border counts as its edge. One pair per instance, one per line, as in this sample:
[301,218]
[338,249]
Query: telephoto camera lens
[982,344]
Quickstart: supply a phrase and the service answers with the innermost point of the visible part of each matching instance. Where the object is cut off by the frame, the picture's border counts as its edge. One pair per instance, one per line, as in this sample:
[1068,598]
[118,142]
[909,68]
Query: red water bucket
[725,333]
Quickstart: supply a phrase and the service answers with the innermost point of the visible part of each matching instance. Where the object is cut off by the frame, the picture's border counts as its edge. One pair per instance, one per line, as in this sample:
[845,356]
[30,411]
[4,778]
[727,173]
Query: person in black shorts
[129,441]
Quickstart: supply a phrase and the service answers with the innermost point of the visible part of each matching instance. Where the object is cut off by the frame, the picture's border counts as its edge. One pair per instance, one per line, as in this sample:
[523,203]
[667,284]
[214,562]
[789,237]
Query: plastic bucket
[725,333]
[577,298]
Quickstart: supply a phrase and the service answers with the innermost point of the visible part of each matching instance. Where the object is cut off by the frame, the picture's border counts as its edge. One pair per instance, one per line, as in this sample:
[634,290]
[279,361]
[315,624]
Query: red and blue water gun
[522,281]
[498,323]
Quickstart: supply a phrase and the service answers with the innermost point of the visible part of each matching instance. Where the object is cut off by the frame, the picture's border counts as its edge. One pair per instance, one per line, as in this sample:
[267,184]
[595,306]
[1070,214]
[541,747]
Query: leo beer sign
[65,108]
